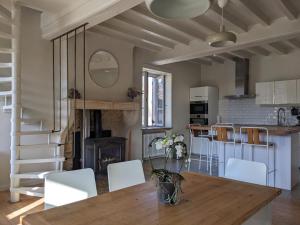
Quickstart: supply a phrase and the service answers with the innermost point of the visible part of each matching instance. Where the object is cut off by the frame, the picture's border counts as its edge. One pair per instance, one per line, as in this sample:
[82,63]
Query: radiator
[153,152]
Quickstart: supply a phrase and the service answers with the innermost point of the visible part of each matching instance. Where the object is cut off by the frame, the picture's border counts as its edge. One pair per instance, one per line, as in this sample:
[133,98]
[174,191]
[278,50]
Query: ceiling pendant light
[178,9]
[223,38]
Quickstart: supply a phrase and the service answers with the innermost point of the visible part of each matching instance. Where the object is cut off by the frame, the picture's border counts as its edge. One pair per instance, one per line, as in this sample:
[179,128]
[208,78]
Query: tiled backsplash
[245,111]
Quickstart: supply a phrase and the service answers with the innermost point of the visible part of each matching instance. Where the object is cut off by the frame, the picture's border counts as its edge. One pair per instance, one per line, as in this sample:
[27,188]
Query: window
[156,98]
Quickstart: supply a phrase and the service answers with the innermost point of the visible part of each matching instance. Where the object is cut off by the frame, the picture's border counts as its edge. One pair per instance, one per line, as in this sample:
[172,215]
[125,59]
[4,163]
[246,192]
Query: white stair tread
[38,146]
[5,93]
[31,121]
[34,175]
[5,79]
[6,50]
[7,108]
[5,35]
[46,160]
[5,65]
[31,191]
[37,132]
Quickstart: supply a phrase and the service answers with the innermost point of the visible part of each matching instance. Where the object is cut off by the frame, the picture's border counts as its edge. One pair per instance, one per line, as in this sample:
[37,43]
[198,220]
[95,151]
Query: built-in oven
[199,108]
[201,119]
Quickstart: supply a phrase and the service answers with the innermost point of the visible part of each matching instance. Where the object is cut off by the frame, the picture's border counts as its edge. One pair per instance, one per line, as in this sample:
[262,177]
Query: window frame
[145,113]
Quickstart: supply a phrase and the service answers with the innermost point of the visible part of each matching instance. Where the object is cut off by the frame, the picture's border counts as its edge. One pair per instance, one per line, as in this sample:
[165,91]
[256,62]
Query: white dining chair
[125,174]
[71,186]
[246,171]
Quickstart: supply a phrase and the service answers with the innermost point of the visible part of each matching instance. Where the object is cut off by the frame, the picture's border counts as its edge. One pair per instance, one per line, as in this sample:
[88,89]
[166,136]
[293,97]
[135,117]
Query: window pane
[156,100]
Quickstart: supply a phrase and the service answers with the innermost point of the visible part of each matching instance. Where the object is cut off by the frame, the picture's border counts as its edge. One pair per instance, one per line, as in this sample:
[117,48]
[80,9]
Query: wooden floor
[285,209]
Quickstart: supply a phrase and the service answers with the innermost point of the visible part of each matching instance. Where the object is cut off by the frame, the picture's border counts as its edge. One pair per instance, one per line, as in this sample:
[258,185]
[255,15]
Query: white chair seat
[246,171]
[70,186]
[125,174]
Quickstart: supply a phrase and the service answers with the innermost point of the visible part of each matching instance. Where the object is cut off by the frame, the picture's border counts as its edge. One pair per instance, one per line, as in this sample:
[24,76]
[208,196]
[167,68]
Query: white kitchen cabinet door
[264,93]
[199,94]
[285,92]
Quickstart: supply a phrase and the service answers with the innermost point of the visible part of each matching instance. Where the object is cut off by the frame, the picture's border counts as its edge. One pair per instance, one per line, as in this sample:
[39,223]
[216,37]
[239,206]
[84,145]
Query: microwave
[199,108]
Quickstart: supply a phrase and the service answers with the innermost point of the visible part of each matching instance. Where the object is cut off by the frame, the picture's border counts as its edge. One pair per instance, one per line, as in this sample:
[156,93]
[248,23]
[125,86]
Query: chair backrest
[220,132]
[253,134]
[246,171]
[125,174]
[71,186]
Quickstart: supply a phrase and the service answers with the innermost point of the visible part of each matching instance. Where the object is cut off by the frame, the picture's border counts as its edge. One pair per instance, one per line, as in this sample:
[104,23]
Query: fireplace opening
[101,148]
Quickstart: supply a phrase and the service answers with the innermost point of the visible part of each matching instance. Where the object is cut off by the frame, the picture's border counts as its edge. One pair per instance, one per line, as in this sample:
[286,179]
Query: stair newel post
[16,99]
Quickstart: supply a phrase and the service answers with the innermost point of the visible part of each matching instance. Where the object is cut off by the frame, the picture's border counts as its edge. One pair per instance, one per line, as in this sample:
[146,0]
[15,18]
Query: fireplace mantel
[105,105]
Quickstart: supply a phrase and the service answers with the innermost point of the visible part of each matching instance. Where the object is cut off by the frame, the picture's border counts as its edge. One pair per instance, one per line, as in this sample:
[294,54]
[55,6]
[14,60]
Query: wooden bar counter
[273,130]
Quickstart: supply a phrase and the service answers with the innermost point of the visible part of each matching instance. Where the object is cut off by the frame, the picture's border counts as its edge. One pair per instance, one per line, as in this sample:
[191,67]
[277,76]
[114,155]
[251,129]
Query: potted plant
[168,182]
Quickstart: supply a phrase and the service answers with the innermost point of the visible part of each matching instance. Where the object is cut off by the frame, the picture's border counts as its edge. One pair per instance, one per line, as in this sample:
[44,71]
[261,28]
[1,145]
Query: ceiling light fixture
[178,9]
[223,38]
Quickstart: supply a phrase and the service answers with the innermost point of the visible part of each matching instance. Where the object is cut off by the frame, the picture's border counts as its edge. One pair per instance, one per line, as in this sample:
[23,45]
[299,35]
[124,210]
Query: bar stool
[219,134]
[253,140]
[204,138]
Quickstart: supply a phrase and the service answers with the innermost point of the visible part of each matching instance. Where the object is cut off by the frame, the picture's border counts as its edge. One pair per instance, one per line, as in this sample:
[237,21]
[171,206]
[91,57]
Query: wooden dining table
[205,200]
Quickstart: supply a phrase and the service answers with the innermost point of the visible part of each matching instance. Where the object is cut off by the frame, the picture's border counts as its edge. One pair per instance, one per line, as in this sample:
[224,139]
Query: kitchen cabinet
[285,92]
[199,94]
[265,93]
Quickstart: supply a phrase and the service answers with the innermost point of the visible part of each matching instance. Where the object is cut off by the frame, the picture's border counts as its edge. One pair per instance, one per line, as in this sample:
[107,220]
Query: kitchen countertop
[273,129]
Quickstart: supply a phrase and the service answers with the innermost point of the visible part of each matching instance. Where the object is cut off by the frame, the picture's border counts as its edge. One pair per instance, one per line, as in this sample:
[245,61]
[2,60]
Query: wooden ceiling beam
[237,24]
[207,24]
[294,42]
[289,11]
[259,51]
[254,12]
[279,30]
[141,21]
[226,56]
[176,26]
[215,58]
[280,48]
[202,61]
[124,37]
[242,53]
[124,27]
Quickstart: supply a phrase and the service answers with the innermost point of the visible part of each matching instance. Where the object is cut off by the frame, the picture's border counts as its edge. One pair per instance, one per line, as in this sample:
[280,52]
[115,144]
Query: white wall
[274,67]
[184,76]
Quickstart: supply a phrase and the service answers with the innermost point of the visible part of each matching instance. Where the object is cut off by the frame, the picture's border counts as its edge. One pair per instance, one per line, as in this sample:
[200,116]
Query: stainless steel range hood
[241,80]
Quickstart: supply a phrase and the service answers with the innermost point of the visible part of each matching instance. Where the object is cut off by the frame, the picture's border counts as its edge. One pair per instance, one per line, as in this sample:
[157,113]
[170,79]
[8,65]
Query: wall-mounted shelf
[105,105]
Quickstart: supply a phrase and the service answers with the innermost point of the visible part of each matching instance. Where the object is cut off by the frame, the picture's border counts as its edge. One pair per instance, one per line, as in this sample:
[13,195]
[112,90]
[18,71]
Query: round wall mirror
[104,69]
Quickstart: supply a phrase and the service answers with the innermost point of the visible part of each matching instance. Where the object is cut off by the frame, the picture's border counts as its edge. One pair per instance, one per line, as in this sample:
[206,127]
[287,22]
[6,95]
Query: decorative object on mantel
[73,93]
[104,69]
[178,9]
[223,38]
[169,183]
[132,93]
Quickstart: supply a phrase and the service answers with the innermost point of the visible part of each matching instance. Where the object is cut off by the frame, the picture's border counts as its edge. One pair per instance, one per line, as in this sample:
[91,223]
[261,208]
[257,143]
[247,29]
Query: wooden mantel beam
[92,12]
[289,11]
[279,30]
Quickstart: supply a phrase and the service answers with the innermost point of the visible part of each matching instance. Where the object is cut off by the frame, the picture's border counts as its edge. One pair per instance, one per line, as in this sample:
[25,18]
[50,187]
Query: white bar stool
[219,134]
[204,138]
[253,140]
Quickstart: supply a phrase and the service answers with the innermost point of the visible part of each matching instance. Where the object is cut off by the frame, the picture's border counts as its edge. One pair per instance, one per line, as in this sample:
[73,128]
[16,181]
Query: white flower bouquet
[169,183]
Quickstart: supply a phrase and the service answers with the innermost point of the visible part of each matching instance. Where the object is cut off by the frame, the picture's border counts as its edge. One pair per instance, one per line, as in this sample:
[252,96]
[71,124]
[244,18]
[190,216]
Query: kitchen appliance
[203,105]
[241,79]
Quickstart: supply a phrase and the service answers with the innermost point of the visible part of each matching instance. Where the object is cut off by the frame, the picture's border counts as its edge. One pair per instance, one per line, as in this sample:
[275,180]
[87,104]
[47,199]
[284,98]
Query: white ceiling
[52,6]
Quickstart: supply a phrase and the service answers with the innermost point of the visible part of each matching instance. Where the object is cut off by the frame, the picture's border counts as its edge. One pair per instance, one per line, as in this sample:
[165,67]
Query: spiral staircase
[25,130]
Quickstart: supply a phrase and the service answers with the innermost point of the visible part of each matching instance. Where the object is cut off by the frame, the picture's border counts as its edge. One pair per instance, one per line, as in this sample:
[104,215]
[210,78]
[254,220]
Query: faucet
[281,117]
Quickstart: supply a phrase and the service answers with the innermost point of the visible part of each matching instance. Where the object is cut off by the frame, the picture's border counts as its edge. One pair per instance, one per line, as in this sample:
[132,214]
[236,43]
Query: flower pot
[167,193]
